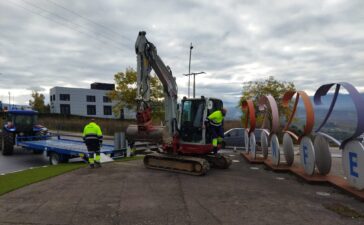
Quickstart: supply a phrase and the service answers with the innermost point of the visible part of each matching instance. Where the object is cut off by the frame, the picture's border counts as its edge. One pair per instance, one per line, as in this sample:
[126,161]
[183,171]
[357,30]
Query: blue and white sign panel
[353,164]
[264,143]
[288,149]
[274,145]
[307,155]
[246,140]
[252,145]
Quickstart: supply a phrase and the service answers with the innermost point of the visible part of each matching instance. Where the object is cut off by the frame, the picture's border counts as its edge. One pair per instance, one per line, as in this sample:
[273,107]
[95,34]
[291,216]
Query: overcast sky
[74,43]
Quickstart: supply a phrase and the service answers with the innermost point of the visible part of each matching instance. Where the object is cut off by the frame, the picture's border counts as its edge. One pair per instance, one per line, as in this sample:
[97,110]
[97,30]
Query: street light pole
[194,84]
[189,70]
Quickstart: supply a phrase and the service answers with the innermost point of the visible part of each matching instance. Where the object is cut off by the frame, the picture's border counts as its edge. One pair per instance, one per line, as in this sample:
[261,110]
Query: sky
[47,43]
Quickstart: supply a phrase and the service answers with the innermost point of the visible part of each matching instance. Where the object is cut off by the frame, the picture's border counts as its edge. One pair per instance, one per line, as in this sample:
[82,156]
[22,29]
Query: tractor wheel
[7,143]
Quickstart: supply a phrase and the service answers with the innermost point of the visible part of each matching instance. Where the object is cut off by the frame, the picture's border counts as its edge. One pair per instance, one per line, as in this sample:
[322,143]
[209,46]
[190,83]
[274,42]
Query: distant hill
[344,108]
[342,121]
[234,113]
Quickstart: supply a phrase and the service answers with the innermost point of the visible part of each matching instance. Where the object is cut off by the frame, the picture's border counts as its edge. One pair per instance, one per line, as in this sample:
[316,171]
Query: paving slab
[127,193]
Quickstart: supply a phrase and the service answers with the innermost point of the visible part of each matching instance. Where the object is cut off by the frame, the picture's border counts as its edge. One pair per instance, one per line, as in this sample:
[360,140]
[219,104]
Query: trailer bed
[64,149]
[65,146]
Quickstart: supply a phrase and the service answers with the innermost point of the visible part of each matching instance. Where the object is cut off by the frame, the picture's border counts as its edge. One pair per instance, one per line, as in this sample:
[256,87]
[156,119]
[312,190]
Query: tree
[38,103]
[254,89]
[125,93]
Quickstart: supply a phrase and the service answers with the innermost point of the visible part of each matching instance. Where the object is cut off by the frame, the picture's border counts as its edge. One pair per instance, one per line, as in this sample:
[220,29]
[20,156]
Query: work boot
[92,166]
[214,150]
[97,164]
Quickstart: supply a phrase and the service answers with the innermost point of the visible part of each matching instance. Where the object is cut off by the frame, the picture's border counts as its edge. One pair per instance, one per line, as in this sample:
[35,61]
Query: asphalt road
[127,193]
[20,160]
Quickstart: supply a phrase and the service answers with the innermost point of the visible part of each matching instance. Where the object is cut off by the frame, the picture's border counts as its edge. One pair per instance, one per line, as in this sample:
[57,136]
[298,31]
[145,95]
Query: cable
[65,19]
[89,20]
[62,24]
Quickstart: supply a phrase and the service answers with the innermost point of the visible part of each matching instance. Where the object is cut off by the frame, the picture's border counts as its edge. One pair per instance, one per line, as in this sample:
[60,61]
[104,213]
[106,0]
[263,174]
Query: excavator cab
[194,113]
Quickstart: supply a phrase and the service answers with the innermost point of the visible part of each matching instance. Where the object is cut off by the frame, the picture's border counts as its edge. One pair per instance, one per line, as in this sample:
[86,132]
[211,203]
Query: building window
[54,97]
[91,109]
[107,99]
[91,98]
[107,110]
[51,98]
[65,109]
[64,97]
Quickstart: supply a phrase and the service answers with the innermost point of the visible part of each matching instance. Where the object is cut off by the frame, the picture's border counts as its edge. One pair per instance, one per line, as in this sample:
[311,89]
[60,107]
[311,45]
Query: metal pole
[194,86]
[189,70]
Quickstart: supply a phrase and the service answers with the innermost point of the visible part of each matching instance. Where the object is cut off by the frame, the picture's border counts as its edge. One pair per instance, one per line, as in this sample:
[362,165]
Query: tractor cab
[22,122]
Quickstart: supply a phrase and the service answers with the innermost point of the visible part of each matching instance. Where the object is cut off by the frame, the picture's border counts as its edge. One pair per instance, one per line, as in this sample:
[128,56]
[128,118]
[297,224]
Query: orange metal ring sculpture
[310,116]
[248,107]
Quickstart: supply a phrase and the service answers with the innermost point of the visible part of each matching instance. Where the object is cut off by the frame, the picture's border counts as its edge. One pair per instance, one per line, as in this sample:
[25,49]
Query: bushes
[77,123]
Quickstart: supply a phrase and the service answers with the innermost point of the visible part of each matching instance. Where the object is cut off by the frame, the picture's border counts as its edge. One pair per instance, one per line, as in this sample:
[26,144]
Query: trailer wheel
[7,143]
[54,158]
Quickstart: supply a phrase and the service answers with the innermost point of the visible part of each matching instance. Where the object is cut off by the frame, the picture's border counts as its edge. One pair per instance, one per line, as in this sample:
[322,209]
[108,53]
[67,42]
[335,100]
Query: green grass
[13,181]
[129,158]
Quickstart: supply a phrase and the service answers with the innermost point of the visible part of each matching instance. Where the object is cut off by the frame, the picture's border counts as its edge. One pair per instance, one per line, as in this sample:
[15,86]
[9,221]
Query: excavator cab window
[192,120]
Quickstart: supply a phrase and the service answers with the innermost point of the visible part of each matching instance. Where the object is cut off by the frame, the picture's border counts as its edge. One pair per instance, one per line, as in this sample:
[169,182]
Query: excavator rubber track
[219,161]
[177,163]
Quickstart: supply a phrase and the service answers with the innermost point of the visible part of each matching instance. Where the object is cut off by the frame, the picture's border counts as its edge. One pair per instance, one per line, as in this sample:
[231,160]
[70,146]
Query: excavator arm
[148,59]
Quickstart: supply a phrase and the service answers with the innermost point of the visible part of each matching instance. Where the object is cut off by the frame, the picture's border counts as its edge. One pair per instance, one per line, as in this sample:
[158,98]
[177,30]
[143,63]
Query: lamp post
[189,70]
[194,83]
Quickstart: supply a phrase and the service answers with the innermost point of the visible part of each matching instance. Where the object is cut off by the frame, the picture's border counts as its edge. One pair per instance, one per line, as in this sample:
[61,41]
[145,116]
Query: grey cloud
[309,43]
[36,88]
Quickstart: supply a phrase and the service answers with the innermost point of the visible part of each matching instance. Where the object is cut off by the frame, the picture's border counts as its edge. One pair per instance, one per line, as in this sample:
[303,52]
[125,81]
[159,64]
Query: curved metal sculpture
[268,105]
[307,151]
[247,106]
[353,150]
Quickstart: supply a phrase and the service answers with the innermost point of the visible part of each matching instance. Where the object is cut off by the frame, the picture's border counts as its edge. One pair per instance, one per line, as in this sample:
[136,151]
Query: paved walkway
[127,193]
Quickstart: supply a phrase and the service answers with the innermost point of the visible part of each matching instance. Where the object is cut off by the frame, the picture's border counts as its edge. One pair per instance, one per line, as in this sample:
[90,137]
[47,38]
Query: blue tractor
[20,123]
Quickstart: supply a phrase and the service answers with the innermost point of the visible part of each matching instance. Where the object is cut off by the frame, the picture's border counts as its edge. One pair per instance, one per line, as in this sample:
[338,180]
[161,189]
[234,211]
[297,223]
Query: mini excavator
[184,140]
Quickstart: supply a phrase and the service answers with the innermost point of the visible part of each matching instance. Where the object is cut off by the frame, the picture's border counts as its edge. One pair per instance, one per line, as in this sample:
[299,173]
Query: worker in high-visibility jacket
[92,136]
[216,120]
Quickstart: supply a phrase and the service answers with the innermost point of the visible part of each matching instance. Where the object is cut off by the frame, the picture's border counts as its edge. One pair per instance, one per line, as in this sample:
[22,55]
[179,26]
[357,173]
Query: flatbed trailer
[60,150]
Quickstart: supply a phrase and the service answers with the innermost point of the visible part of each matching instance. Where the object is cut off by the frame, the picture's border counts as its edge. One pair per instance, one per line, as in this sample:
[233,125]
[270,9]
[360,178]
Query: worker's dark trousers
[93,147]
[216,133]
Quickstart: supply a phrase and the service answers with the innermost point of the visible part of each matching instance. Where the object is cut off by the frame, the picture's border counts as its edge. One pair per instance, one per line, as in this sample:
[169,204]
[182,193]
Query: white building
[86,102]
